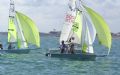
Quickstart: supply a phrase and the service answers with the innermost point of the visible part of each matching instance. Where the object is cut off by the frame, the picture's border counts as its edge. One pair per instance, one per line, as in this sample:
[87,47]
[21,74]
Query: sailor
[62,47]
[71,41]
[10,46]
[1,46]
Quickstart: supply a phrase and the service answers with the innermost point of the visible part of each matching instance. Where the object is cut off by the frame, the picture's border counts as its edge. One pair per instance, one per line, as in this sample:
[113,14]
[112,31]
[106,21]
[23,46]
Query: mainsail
[69,19]
[12,34]
[76,30]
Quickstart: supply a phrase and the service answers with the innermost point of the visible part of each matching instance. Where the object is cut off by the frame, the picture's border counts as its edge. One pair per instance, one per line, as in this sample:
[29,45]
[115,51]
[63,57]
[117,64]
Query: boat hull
[19,51]
[16,51]
[77,55]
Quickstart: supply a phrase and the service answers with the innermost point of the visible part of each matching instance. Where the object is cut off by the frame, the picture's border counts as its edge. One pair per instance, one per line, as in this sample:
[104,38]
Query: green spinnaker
[84,48]
[19,43]
[12,34]
[102,29]
[77,25]
[29,29]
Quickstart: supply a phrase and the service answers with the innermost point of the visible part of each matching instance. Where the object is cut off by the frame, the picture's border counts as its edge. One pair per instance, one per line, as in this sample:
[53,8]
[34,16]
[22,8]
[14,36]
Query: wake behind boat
[82,23]
[22,32]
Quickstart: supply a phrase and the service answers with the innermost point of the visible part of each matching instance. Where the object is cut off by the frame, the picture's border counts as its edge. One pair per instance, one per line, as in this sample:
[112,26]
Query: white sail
[86,37]
[66,31]
[88,30]
[91,34]
[76,28]
[83,31]
[91,28]
[89,42]
[69,19]
[76,38]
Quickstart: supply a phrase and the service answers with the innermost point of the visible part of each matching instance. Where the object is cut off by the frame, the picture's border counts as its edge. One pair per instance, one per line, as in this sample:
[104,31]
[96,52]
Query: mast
[11,26]
[12,9]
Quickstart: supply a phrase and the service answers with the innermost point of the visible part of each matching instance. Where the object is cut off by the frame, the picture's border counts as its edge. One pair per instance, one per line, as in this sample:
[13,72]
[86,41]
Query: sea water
[36,63]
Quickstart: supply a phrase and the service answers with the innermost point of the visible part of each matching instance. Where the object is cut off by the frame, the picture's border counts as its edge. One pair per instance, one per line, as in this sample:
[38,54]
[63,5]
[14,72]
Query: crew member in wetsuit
[10,46]
[1,46]
[71,45]
[62,47]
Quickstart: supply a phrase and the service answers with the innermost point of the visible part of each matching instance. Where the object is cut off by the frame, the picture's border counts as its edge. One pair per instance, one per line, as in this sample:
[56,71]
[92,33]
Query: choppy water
[35,63]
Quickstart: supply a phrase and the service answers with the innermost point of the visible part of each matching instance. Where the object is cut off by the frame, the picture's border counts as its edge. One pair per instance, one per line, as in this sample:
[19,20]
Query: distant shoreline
[57,34]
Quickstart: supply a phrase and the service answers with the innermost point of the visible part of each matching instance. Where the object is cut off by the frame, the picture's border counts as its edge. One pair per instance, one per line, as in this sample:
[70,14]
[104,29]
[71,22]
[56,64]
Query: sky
[50,14]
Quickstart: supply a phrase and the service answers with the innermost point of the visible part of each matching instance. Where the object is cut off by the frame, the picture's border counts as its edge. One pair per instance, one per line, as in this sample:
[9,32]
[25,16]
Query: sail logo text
[69,18]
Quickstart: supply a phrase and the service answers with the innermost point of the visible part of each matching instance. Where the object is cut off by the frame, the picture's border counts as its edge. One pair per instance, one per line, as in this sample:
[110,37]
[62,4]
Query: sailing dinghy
[22,32]
[83,24]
